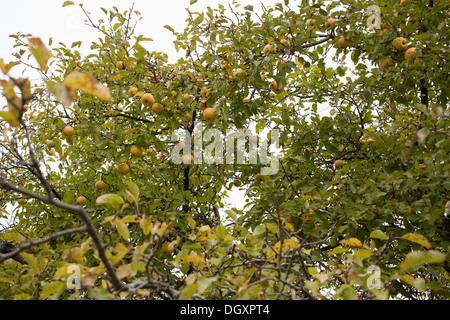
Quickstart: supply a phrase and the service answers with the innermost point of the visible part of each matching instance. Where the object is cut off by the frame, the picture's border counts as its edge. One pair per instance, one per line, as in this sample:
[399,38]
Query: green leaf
[192,2]
[231,214]
[416,258]
[110,199]
[204,283]
[378,234]
[133,188]
[67,3]
[54,289]
[100,294]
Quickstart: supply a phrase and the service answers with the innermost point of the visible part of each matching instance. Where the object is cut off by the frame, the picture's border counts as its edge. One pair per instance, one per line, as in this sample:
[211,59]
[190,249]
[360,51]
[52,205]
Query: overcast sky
[48,19]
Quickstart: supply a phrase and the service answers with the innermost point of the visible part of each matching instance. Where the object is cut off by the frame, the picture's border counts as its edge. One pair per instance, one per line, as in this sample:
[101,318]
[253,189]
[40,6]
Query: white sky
[47,18]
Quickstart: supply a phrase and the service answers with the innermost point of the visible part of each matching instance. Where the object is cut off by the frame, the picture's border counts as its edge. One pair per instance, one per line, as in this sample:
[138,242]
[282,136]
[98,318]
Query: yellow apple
[136,151]
[186,97]
[342,42]
[147,99]
[400,44]
[338,164]
[186,117]
[310,23]
[385,63]
[123,169]
[410,53]
[203,104]
[209,114]
[157,108]
[240,74]
[68,131]
[405,2]
[237,182]
[276,88]
[100,185]
[50,143]
[120,65]
[132,91]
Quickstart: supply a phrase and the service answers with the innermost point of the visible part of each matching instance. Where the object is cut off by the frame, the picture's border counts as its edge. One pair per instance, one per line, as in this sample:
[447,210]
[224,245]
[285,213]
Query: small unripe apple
[50,143]
[410,53]
[237,182]
[136,151]
[132,91]
[338,164]
[342,42]
[385,63]
[259,177]
[100,185]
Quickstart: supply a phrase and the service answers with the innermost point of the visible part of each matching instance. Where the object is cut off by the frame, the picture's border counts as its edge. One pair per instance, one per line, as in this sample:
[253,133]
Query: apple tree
[102,207]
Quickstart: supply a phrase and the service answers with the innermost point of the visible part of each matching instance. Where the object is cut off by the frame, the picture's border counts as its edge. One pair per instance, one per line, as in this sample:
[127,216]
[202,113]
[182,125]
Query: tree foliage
[357,210]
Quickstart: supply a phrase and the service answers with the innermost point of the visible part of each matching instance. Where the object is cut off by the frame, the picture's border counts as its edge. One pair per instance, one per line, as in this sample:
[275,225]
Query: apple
[100,185]
[410,53]
[329,22]
[275,88]
[157,108]
[21,201]
[237,182]
[147,99]
[51,152]
[68,131]
[188,159]
[186,117]
[136,151]
[342,42]
[310,23]
[268,48]
[338,164]
[81,199]
[132,91]
[405,2]
[385,63]
[186,97]
[259,177]
[123,168]
[120,65]
[240,74]
[203,104]
[50,143]
[400,44]
[209,114]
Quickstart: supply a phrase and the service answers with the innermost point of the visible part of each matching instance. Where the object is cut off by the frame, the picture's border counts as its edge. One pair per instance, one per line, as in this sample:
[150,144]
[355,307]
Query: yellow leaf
[352,242]
[417,238]
[195,257]
[123,271]
[146,225]
[321,277]
[122,228]
[40,52]
[86,82]
[288,244]
[62,92]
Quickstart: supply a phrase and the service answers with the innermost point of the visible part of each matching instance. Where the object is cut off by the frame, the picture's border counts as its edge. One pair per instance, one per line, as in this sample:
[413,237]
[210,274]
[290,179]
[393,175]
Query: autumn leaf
[351,242]
[194,257]
[417,238]
[87,83]
[122,228]
[62,92]
[40,52]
